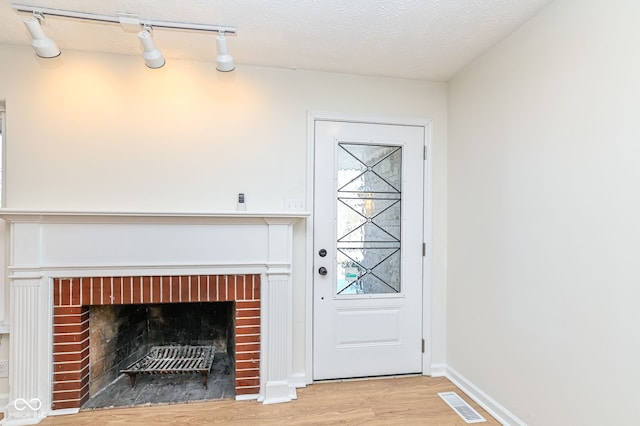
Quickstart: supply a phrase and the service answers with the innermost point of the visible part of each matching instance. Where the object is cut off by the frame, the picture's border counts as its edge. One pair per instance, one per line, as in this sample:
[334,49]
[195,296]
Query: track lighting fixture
[152,56]
[224,61]
[43,45]
[46,48]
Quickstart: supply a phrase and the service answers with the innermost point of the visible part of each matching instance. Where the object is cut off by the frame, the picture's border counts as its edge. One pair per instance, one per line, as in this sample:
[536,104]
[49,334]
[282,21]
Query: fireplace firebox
[73,298]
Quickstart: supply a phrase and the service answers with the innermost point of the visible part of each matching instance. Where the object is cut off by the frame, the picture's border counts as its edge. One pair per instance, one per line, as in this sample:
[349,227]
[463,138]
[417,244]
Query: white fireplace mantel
[52,215]
[48,244]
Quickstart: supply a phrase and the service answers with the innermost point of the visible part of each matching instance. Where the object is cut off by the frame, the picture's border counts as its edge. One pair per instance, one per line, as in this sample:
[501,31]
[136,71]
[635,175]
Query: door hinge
[424,249]
[426,155]
[423,345]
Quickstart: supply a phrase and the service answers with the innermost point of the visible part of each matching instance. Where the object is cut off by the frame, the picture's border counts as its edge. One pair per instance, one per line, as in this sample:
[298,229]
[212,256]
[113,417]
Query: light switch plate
[294,204]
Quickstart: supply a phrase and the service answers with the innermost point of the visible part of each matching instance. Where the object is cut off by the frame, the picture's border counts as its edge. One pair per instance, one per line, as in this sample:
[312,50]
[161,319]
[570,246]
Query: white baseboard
[493,407]
[64,412]
[438,370]
[247,397]
[299,380]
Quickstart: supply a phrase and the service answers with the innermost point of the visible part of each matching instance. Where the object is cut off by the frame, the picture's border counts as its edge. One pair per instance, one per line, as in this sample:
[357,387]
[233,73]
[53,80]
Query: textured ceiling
[422,39]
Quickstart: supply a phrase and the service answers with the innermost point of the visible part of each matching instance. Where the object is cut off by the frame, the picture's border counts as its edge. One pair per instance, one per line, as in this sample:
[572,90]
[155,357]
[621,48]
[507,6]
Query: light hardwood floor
[389,401]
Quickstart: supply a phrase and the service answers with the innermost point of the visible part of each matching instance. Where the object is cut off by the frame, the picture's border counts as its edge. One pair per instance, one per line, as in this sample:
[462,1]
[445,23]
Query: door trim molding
[427,312]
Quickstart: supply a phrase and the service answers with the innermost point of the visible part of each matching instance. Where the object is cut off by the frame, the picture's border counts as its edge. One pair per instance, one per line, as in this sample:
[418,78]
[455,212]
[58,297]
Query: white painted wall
[544,217]
[91,131]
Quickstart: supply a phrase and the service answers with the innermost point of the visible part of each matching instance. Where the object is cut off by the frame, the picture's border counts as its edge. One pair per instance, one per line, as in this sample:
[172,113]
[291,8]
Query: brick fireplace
[63,262]
[72,299]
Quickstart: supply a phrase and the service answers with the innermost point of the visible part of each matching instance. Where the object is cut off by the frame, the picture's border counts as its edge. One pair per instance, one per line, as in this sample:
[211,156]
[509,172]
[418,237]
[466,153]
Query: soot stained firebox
[170,339]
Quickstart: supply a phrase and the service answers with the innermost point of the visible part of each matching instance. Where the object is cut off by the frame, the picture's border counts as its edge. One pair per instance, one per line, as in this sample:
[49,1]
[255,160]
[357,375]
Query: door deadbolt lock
[322,270]
[322,253]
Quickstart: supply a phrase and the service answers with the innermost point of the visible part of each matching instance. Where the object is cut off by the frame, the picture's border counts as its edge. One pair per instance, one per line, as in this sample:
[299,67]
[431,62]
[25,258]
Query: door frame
[427,296]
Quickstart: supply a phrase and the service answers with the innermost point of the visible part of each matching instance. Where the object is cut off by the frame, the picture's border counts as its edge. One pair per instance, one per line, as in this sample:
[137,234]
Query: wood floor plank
[390,401]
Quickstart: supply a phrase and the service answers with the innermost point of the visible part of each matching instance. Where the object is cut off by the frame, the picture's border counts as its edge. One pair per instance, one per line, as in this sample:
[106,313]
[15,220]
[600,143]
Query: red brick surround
[73,297]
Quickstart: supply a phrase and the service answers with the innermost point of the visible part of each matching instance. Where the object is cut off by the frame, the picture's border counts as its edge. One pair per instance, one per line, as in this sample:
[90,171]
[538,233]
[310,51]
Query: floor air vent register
[464,410]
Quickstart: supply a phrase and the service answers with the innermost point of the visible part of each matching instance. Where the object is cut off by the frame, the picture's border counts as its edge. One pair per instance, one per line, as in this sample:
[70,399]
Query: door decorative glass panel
[368,218]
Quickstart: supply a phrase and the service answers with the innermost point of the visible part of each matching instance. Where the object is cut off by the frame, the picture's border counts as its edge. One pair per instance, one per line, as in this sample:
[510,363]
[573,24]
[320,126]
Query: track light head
[43,45]
[224,61]
[152,56]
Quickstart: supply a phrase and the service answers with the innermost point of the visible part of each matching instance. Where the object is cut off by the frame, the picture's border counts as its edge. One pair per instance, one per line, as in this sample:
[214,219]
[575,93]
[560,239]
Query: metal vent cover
[464,410]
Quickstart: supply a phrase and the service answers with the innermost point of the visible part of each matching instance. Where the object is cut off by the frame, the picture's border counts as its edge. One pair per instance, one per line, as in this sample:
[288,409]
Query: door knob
[322,270]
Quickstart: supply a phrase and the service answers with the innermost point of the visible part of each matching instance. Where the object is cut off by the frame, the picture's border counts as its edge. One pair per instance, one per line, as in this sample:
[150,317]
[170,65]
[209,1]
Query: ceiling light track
[45,11]
[46,48]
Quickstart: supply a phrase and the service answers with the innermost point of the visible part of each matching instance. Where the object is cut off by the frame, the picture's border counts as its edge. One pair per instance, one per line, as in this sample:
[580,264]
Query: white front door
[368,235]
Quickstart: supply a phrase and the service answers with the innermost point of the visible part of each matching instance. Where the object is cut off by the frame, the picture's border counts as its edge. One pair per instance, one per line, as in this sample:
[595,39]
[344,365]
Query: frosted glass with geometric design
[368,218]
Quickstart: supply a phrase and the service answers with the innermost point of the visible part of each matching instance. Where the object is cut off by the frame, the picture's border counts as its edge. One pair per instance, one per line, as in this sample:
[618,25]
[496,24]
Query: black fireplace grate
[174,359]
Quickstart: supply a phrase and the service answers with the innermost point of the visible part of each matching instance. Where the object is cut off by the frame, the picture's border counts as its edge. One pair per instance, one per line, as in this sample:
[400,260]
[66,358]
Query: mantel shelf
[105,216]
